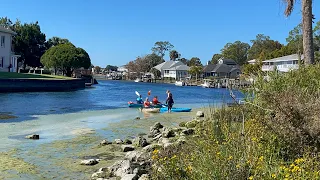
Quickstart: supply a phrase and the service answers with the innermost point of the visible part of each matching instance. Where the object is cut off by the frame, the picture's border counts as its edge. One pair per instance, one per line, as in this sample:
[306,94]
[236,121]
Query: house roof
[168,65]
[5,29]
[220,68]
[285,58]
[228,61]
[180,68]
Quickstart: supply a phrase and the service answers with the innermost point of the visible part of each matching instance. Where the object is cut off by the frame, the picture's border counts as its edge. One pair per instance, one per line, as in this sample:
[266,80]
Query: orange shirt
[155,101]
[146,104]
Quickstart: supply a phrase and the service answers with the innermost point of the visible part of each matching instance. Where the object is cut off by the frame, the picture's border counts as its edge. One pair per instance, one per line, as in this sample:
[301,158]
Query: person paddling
[139,100]
[155,100]
[147,103]
[169,101]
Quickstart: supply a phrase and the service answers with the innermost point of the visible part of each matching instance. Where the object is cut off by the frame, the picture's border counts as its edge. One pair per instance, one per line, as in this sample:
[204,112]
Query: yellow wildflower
[238,166]
[173,157]
[282,167]
[254,139]
[299,160]
[218,153]
[156,151]
[285,179]
[261,158]
[292,165]
[248,162]
[165,158]
[154,157]
[217,142]
[251,177]
[296,169]
[273,175]
[287,175]
[189,168]
[230,157]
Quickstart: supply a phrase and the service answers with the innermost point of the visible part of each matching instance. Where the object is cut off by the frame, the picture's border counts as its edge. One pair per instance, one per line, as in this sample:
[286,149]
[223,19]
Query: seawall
[40,85]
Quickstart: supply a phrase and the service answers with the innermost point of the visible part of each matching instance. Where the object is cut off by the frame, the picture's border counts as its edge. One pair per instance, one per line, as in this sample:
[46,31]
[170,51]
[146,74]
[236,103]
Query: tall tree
[55,41]
[161,47]
[6,21]
[237,51]
[195,61]
[29,43]
[111,68]
[66,57]
[262,43]
[307,32]
[215,58]
[184,60]
[174,55]
[97,69]
[152,60]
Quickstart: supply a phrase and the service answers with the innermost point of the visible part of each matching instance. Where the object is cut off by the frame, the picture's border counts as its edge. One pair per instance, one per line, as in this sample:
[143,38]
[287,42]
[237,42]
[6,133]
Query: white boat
[206,84]
[138,80]
[179,83]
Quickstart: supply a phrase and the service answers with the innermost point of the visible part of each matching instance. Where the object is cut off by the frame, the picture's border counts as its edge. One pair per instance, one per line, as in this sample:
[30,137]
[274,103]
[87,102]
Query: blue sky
[115,32]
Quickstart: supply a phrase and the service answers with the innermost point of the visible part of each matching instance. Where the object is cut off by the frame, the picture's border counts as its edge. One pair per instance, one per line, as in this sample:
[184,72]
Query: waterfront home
[282,64]
[225,68]
[173,69]
[122,69]
[8,60]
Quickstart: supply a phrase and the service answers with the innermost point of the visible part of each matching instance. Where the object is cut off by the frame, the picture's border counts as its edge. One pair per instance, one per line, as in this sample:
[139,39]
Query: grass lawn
[30,76]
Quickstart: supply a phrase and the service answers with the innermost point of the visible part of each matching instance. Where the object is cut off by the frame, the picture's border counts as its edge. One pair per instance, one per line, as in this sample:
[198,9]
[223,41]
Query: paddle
[137,93]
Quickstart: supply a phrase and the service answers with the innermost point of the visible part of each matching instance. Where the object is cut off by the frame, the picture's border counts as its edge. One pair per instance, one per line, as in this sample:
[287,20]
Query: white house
[122,69]
[173,69]
[8,60]
[282,64]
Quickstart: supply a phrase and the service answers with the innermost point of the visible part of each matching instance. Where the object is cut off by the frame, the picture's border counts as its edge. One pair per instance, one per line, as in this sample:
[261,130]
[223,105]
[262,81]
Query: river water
[58,115]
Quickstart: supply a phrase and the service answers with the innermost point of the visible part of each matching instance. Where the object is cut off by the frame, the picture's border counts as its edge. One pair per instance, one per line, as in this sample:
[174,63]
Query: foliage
[161,47]
[237,51]
[54,41]
[111,68]
[195,61]
[66,57]
[262,43]
[145,63]
[174,55]
[252,69]
[155,72]
[97,69]
[195,70]
[215,58]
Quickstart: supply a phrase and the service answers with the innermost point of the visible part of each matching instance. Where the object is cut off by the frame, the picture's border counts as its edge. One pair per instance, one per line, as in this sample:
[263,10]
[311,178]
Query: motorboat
[138,80]
[179,83]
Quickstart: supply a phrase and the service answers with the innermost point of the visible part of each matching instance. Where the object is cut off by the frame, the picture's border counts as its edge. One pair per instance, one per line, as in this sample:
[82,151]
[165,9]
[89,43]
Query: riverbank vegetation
[30,76]
[273,136]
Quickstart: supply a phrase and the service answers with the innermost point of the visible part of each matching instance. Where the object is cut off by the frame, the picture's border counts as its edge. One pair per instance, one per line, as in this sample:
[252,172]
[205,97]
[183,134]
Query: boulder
[157,137]
[163,140]
[101,174]
[89,162]
[118,141]
[187,132]
[167,133]
[137,117]
[200,114]
[122,167]
[156,125]
[154,133]
[144,177]
[136,156]
[126,148]
[168,145]
[140,141]
[181,140]
[33,136]
[130,177]
[104,142]
[127,141]
[191,124]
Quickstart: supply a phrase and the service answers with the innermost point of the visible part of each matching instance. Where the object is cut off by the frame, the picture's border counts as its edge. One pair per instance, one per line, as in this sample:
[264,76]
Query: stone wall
[38,85]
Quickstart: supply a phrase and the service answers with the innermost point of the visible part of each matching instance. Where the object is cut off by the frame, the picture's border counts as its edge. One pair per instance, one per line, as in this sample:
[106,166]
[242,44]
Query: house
[282,64]
[122,69]
[224,68]
[8,60]
[173,69]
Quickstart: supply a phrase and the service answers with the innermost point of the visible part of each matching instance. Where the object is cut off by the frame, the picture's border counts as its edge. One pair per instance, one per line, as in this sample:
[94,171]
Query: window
[1,62]
[166,71]
[2,41]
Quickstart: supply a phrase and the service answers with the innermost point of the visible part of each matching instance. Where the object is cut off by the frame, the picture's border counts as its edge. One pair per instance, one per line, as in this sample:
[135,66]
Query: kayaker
[155,100]
[169,101]
[139,100]
[147,103]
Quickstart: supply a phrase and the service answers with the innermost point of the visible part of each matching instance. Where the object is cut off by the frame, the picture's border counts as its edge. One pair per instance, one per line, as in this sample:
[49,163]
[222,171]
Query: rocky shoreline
[137,163]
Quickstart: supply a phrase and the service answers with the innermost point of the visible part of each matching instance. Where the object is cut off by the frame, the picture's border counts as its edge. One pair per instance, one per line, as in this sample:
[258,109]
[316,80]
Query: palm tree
[307,32]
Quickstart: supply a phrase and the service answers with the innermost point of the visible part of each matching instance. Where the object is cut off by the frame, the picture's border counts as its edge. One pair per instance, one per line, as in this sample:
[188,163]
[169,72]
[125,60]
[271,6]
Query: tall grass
[279,141]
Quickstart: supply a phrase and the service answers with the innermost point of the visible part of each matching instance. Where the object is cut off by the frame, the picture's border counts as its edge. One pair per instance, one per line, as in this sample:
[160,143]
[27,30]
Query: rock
[164,140]
[167,133]
[118,141]
[154,132]
[126,148]
[137,117]
[157,137]
[200,114]
[105,142]
[187,132]
[168,145]
[151,147]
[123,167]
[130,177]
[157,125]
[191,124]
[182,124]
[89,162]
[144,177]
[33,136]
[101,174]
[136,156]
[177,129]
[127,141]
[140,141]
